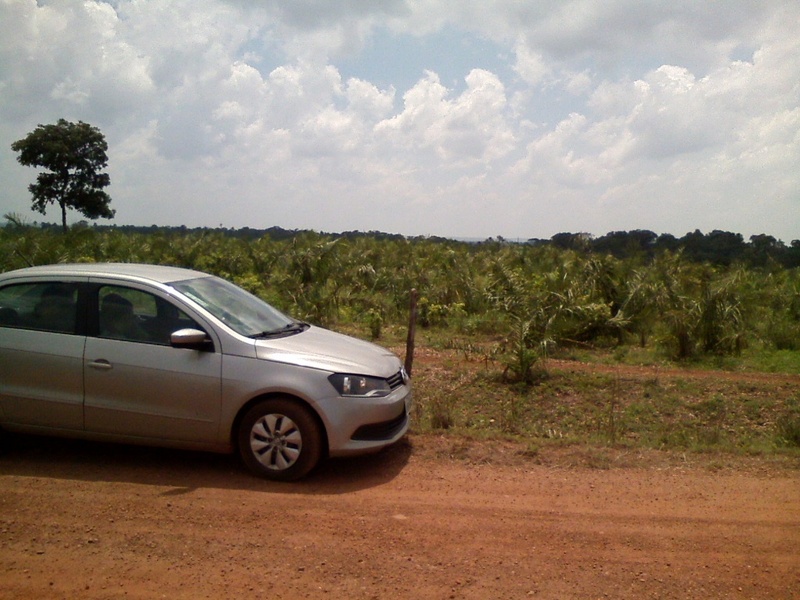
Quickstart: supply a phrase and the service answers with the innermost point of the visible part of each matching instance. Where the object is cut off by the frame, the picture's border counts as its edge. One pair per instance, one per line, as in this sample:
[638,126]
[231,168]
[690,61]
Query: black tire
[280,439]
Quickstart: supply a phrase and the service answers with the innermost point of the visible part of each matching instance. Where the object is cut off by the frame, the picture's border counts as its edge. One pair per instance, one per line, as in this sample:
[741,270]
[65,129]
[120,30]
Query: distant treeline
[721,248]
[717,247]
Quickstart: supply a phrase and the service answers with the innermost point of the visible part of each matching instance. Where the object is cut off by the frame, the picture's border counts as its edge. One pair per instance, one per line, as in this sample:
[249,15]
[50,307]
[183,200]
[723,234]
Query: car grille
[396,380]
[381,431]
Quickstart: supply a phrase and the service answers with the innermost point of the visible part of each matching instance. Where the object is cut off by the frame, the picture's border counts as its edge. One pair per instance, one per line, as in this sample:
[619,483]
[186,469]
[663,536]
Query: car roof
[157,273]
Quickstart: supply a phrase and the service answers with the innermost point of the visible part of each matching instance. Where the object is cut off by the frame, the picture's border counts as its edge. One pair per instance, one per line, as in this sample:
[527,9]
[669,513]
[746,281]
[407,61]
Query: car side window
[45,306]
[137,316]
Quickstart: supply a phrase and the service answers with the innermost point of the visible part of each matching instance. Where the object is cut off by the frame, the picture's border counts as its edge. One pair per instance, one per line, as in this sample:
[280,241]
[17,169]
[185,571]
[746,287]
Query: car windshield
[240,310]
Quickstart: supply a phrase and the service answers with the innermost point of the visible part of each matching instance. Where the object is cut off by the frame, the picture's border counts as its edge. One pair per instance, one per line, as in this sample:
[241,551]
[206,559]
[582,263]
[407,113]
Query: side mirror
[193,339]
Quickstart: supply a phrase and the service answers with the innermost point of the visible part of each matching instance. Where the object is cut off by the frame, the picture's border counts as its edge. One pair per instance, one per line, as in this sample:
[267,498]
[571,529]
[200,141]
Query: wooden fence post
[412,331]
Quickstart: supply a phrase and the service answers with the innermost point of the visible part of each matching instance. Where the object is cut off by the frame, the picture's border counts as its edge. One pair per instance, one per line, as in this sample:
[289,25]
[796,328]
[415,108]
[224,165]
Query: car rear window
[43,306]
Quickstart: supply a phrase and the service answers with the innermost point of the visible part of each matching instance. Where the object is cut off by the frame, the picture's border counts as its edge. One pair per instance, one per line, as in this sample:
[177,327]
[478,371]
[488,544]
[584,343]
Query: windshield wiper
[288,329]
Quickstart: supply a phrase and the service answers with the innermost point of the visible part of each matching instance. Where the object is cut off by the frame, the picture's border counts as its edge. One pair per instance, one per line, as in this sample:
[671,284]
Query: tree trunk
[63,217]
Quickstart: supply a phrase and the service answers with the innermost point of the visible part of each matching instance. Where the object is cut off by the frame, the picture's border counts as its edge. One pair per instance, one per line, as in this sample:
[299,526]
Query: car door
[41,355]
[136,384]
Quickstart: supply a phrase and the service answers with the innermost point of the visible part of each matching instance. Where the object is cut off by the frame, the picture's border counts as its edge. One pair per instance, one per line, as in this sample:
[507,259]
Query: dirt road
[80,520]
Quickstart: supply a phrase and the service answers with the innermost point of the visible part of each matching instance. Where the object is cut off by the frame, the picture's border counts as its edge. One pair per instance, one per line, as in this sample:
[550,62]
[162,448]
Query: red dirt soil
[428,518]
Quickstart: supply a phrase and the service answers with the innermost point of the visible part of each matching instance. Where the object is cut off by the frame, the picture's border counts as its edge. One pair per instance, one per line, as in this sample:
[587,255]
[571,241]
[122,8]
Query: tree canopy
[74,155]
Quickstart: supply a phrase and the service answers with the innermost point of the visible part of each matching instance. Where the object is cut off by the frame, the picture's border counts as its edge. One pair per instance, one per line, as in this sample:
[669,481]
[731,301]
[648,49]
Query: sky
[455,118]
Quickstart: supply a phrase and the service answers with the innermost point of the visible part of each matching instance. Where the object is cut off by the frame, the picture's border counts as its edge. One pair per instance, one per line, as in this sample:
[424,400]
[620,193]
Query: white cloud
[470,127]
[578,84]
[69,55]
[366,99]
[530,65]
[592,116]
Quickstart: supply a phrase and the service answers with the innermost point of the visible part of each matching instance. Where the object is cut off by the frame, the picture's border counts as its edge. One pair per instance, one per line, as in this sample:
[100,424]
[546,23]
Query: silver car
[172,357]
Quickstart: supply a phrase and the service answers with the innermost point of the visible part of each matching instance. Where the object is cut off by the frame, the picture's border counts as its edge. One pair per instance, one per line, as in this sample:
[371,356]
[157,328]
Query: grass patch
[772,361]
[788,429]
[598,406]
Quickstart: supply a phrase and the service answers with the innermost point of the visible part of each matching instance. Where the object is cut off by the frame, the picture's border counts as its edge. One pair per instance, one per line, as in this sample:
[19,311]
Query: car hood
[320,348]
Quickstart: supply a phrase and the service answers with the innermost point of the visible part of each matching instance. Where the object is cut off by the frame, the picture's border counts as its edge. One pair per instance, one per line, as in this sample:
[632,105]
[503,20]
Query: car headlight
[359,385]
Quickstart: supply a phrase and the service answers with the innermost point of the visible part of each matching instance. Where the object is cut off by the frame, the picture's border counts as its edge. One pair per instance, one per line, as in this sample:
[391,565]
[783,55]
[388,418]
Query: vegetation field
[635,344]
[595,410]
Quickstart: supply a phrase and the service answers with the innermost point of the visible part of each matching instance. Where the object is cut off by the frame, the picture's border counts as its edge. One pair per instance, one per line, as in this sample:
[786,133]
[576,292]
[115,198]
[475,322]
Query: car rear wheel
[280,439]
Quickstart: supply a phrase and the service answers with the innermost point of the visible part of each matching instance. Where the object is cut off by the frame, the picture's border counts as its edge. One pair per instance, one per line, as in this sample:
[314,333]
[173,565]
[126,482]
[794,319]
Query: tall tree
[74,155]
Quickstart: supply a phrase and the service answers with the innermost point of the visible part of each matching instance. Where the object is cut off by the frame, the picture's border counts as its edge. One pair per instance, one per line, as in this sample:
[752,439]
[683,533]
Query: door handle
[101,364]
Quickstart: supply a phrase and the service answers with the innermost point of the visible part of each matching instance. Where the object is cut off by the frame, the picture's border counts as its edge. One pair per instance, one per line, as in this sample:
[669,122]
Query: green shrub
[788,429]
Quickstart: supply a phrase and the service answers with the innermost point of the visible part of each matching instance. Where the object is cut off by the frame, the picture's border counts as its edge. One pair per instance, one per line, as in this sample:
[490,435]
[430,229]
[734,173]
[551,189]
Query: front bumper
[385,430]
[363,425]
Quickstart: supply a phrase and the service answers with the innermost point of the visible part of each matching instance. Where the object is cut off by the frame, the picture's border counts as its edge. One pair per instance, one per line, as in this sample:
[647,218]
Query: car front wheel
[280,439]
